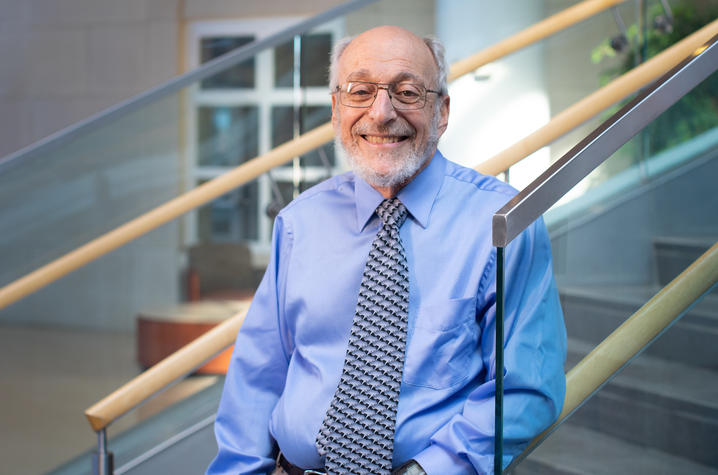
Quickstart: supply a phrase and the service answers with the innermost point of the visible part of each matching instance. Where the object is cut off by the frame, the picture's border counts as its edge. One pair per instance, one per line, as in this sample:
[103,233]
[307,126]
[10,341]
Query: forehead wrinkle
[365,75]
[374,64]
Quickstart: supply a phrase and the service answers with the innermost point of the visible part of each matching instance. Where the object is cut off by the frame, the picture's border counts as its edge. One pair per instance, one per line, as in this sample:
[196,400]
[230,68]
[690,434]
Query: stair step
[575,450]
[592,313]
[668,379]
[666,405]
[675,253]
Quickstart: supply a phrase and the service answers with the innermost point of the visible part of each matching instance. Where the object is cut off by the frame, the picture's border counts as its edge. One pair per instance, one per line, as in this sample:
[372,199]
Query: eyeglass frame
[385,86]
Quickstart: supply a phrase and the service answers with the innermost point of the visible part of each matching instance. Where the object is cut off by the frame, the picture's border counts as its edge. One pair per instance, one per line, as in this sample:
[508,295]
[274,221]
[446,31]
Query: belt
[292,469]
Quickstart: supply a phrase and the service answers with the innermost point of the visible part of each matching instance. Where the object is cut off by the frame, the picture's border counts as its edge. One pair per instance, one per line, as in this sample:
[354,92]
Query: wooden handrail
[251,169]
[598,101]
[543,29]
[633,335]
[164,373]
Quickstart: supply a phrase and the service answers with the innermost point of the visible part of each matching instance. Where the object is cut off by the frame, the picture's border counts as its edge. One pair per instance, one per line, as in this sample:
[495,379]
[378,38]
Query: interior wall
[223,9]
[421,20]
[503,101]
[68,59]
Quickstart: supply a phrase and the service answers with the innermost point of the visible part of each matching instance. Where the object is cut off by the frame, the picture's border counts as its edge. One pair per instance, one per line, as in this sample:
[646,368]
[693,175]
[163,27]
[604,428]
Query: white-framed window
[246,111]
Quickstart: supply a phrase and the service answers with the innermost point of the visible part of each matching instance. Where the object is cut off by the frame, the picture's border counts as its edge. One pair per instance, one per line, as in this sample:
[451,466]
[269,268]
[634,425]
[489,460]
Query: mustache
[400,129]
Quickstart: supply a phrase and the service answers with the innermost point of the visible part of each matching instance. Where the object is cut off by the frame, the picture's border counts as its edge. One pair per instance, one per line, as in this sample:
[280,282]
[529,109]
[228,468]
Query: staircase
[660,415]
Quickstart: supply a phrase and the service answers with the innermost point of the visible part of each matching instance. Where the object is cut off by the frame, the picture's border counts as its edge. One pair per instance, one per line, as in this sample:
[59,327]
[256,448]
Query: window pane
[227,136]
[314,116]
[231,217]
[241,75]
[314,61]
[310,117]
[283,64]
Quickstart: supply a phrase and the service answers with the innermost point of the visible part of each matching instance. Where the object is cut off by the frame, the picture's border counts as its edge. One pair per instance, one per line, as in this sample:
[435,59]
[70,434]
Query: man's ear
[443,114]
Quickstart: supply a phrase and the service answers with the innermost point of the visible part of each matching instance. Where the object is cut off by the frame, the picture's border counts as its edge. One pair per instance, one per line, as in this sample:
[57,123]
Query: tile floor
[49,377]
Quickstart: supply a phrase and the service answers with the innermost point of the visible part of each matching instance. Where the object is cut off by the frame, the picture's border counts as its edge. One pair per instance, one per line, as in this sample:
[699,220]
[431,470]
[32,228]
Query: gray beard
[404,166]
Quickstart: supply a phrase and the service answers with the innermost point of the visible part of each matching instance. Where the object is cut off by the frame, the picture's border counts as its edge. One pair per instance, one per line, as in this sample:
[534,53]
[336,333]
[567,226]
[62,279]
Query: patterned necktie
[357,435]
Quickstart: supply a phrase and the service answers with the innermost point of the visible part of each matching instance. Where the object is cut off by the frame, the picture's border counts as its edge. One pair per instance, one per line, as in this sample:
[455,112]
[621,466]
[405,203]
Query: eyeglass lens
[403,95]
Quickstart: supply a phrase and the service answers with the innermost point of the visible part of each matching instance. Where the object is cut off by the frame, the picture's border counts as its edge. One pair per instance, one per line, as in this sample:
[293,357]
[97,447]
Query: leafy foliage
[697,111]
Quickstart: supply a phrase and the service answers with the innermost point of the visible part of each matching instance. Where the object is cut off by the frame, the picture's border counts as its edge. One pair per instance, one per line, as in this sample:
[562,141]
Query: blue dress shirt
[289,354]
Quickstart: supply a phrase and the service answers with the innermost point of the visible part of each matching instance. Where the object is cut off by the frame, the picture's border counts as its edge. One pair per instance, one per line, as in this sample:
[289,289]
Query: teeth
[376,139]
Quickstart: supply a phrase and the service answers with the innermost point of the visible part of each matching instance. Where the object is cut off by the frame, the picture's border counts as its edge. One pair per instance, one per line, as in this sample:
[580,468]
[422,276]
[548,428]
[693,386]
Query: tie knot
[392,212]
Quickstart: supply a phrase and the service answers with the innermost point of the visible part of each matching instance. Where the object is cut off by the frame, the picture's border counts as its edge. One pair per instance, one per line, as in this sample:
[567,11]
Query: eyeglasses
[403,95]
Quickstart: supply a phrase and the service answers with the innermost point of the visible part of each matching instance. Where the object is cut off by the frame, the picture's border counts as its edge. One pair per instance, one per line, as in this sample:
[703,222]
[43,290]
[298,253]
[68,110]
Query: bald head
[427,52]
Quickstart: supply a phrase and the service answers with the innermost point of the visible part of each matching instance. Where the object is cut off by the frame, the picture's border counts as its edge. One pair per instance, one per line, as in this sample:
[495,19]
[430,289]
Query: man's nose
[382,109]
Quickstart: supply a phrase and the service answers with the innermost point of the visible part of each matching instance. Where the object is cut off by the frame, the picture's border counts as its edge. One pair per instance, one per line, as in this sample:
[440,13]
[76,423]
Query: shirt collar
[418,195]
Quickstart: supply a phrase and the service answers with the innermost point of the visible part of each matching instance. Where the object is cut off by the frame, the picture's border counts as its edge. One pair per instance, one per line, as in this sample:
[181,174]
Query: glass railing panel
[510,98]
[55,201]
[683,133]
[688,127]
[693,115]
[178,422]
[614,247]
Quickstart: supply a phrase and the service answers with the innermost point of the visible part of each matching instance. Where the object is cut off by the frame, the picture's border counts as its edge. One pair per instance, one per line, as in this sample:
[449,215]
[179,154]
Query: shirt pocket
[441,344]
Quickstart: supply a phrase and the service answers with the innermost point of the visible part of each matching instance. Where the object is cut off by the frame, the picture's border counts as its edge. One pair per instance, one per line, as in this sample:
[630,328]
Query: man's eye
[407,92]
[359,90]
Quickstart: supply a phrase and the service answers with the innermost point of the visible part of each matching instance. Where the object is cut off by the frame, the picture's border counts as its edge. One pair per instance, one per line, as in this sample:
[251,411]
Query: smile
[376,139]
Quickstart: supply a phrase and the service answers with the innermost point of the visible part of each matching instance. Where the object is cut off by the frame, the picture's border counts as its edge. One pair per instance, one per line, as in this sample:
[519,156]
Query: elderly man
[369,347]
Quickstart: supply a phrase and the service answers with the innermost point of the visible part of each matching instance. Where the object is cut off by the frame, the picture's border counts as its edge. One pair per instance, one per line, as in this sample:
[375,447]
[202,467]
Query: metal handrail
[633,336]
[207,69]
[251,169]
[577,163]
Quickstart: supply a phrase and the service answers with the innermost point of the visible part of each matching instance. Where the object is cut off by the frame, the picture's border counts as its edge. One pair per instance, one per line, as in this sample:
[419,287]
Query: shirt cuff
[437,461]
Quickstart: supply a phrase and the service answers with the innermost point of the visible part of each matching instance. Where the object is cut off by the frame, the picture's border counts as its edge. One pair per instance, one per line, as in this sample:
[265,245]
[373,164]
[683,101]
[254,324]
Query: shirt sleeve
[534,355]
[256,375]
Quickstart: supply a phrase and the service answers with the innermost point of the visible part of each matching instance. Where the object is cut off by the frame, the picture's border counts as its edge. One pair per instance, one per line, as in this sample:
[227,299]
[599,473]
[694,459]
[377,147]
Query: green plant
[697,111]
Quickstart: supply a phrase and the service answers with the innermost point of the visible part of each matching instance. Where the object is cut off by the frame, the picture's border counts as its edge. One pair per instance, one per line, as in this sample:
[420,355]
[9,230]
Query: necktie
[357,435]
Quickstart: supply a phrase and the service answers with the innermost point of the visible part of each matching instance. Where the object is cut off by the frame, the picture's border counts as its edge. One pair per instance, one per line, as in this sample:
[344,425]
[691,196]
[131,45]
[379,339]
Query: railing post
[102,463]
[499,391]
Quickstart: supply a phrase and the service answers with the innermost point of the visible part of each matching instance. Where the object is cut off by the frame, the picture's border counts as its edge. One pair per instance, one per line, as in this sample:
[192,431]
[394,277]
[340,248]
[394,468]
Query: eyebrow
[365,75]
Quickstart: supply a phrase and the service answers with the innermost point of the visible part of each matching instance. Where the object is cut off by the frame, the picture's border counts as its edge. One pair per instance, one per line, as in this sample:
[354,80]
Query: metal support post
[102,462]
[499,393]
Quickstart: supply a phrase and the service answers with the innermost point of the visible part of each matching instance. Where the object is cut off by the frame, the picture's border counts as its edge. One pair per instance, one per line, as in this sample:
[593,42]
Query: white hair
[432,42]
[337,51]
